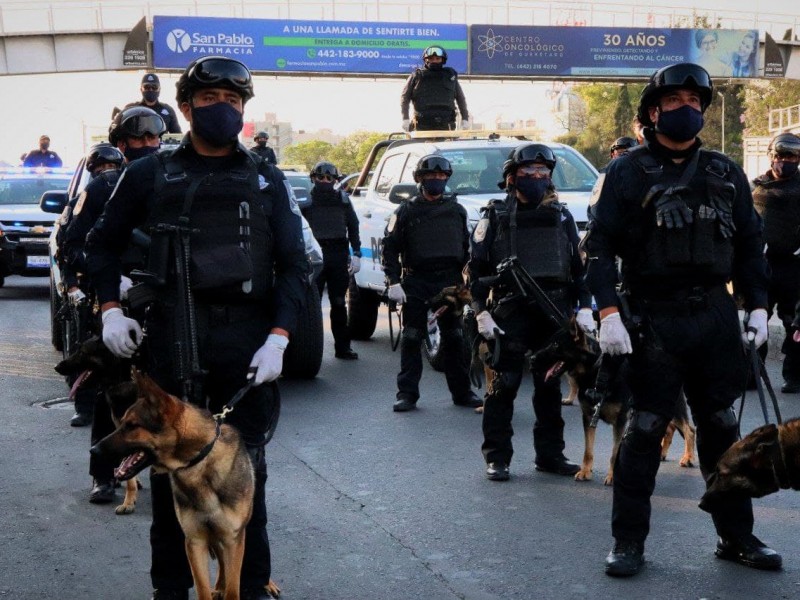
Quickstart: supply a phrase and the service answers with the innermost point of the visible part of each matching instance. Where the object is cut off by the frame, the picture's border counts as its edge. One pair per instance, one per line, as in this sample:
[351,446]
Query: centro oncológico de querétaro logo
[490,43]
[179,41]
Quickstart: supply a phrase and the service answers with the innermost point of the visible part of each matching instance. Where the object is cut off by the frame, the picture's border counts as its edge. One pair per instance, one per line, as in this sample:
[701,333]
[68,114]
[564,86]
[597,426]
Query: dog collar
[206,450]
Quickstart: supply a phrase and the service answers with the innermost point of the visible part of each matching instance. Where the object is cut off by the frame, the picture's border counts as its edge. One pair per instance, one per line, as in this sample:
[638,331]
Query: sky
[72,107]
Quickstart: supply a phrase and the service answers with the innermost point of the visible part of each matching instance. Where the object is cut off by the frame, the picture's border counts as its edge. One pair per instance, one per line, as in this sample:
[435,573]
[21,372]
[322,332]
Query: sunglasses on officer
[680,75]
[536,171]
[215,70]
[324,177]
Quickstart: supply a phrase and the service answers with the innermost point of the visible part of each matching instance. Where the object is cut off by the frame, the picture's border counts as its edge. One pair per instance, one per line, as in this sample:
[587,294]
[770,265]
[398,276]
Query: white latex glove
[614,338]
[486,325]
[125,284]
[76,296]
[397,294]
[585,320]
[355,265]
[465,124]
[406,124]
[117,329]
[268,360]
[758,322]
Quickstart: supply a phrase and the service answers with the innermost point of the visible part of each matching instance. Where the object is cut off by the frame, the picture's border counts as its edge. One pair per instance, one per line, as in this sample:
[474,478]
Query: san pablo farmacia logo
[180,41]
[517,45]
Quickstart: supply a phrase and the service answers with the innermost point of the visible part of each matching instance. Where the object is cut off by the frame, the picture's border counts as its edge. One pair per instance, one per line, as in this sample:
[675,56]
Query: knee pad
[722,419]
[645,430]
[412,335]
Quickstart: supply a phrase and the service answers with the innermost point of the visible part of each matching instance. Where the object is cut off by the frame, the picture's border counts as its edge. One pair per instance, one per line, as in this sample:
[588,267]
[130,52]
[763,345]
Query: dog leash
[760,374]
[241,393]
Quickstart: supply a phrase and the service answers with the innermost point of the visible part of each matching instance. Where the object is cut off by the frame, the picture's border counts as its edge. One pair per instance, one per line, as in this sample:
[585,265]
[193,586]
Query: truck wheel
[303,357]
[362,311]
[56,333]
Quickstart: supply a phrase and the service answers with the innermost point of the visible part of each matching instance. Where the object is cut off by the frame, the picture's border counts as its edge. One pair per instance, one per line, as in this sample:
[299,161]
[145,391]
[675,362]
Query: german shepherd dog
[572,351]
[211,474]
[94,364]
[761,463]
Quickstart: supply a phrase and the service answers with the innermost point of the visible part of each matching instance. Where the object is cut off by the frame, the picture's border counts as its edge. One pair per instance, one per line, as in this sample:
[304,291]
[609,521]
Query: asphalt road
[364,503]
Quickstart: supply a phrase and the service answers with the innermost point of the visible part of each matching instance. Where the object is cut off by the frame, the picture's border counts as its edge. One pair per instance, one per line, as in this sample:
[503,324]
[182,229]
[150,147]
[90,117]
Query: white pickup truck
[477,159]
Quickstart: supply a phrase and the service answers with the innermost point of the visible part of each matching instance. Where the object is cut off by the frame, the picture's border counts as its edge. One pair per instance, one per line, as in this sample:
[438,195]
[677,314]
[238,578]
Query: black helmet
[432,163]
[261,134]
[529,153]
[215,71]
[435,51]
[679,76]
[623,142]
[135,122]
[324,167]
[103,153]
[784,143]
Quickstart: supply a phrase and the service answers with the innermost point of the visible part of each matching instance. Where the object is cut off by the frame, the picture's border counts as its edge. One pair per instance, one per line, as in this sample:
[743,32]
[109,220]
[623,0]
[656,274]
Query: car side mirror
[54,201]
[401,192]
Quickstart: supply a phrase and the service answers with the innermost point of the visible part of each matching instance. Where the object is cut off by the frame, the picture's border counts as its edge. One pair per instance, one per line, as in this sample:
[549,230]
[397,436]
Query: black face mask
[150,96]
[681,125]
[132,154]
[434,187]
[44,147]
[218,124]
[435,66]
[531,188]
[784,169]
[323,186]
[262,143]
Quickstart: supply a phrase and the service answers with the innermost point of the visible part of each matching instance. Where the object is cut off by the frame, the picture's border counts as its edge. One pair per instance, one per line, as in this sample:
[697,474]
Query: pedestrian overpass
[81,36]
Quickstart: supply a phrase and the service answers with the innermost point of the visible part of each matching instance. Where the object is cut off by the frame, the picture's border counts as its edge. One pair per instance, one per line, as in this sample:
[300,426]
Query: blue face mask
[131,154]
[532,188]
[434,187]
[681,125]
[218,124]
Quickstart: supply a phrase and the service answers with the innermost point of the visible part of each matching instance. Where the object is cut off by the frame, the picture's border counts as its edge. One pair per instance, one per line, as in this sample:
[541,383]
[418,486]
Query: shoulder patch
[480,230]
[79,204]
[598,187]
[392,223]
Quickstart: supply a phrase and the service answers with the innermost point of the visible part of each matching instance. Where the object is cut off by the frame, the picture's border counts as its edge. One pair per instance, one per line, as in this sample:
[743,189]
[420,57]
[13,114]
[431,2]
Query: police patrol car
[477,158]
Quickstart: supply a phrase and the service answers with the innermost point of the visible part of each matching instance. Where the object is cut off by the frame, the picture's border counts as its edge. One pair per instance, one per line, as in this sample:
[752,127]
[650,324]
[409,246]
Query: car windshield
[300,182]
[478,170]
[27,188]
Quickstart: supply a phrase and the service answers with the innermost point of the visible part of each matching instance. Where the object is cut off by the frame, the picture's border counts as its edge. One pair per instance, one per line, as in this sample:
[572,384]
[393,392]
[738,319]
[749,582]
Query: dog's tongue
[121,472]
[554,370]
[81,378]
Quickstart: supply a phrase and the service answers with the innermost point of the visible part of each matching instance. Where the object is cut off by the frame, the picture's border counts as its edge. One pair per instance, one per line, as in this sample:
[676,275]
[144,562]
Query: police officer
[43,156]
[533,226]
[428,235]
[247,282]
[776,195]
[335,226]
[261,148]
[151,90]
[102,162]
[434,90]
[682,221]
[621,145]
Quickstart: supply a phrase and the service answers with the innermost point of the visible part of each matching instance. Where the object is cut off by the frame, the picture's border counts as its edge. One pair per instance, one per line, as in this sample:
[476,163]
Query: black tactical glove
[672,211]
[724,218]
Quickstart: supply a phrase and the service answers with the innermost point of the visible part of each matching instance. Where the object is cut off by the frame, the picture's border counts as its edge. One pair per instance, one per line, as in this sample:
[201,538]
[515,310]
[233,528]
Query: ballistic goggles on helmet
[533,170]
[140,125]
[220,72]
[433,164]
[683,75]
[325,168]
[433,51]
[786,147]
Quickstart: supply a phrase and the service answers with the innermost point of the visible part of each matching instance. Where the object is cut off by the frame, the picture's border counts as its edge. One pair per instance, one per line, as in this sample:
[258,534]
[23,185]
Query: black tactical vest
[228,212]
[434,234]
[699,250]
[542,243]
[328,215]
[778,203]
[435,93]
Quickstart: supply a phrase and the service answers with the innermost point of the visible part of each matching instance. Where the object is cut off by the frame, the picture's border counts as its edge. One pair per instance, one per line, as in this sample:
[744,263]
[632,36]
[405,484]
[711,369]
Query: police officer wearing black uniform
[531,225]
[334,224]
[261,148]
[621,145]
[151,90]
[683,223]
[42,156]
[425,248]
[434,90]
[776,195]
[247,281]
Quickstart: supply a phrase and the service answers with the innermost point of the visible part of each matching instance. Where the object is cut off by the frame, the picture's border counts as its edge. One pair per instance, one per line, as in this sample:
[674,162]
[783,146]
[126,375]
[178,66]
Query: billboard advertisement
[608,51]
[306,46]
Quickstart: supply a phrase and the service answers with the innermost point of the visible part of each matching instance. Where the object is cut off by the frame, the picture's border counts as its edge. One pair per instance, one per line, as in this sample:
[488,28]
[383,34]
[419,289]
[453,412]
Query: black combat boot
[469,400]
[404,403]
[749,551]
[102,491]
[348,354]
[170,595]
[559,465]
[626,559]
[497,471]
[80,419]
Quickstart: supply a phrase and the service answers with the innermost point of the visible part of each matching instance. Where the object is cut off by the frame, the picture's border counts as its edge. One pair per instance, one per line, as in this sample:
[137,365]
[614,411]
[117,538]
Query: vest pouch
[675,245]
[703,231]
[158,257]
[222,266]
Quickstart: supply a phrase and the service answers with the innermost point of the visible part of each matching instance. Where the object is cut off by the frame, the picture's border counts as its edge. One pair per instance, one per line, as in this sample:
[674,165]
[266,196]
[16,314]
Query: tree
[350,154]
[307,154]
[761,96]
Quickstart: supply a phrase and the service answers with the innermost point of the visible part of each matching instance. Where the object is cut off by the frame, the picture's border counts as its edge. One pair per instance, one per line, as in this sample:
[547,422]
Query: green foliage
[307,153]
[759,97]
[348,155]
